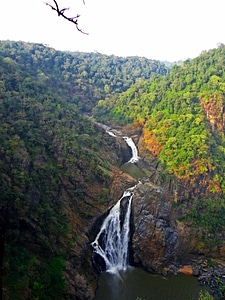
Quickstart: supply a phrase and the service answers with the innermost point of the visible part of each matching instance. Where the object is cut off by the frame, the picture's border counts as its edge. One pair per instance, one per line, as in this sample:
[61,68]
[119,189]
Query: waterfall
[111,243]
[111,133]
[135,158]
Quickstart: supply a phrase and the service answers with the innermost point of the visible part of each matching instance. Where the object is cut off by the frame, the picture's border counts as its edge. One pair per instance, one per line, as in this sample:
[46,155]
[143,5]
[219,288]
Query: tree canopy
[182,116]
[54,166]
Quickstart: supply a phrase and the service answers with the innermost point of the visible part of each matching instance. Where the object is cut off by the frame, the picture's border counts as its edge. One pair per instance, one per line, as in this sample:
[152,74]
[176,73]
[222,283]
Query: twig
[61,12]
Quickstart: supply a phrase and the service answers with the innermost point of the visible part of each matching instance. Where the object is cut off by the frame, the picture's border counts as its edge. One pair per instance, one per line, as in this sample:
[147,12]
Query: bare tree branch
[61,13]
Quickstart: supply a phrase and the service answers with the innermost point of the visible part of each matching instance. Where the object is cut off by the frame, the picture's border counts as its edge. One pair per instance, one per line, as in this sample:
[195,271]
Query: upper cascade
[135,158]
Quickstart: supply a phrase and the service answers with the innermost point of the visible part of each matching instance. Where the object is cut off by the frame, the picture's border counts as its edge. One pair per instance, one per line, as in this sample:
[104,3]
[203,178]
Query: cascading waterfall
[111,247]
[111,243]
[135,158]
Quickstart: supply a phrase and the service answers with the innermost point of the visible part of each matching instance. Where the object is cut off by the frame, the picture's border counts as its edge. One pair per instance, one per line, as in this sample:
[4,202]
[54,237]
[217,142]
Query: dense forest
[83,78]
[54,170]
[56,164]
[182,118]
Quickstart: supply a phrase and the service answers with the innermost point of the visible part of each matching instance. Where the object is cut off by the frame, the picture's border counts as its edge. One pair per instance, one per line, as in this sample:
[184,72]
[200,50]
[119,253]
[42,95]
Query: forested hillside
[182,119]
[83,78]
[57,167]
[54,167]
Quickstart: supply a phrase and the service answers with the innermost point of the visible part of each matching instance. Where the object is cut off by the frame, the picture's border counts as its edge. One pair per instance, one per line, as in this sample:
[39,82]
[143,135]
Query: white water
[111,133]
[135,158]
[111,243]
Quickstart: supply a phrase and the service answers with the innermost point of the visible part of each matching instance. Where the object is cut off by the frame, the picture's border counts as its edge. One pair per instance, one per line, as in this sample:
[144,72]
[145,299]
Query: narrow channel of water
[135,284]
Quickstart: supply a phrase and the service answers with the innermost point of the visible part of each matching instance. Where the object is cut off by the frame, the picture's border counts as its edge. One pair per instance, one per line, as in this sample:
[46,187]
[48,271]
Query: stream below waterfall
[136,284]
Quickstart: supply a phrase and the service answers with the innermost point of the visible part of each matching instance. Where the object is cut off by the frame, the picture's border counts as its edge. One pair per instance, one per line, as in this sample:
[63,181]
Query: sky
[166,30]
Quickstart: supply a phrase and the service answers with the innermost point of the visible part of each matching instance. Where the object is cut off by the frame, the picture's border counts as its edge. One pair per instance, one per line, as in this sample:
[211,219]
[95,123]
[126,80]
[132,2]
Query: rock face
[160,242]
[155,241]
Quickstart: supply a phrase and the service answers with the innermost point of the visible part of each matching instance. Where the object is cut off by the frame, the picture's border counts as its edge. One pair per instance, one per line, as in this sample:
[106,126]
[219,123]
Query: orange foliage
[139,123]
[202,166]
[182,172]
[151,142]
[213,108]
[214,186]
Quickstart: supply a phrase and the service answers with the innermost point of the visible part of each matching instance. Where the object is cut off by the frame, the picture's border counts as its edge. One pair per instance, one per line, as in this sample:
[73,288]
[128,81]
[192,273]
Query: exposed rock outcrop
[161,242]
[155,239]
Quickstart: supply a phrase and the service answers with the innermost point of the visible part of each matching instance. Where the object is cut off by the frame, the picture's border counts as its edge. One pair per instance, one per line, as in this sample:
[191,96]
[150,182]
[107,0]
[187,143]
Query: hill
[60,172]
[83,78]
[181,116]
[55,167]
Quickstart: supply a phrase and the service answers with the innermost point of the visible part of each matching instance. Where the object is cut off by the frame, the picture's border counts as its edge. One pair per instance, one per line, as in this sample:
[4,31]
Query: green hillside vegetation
[83,78]
[49,154]
[52,160]
[182,116]
[56,165]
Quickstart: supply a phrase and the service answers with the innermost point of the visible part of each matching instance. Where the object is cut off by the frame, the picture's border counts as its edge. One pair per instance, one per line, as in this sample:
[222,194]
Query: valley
[62,171]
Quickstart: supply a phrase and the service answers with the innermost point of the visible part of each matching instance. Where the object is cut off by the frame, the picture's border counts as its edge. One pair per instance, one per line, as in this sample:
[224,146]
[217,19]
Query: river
[136,284]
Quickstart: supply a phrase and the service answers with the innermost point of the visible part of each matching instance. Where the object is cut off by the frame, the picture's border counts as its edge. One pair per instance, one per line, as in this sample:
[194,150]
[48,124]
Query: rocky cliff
[60,173]
[164,240]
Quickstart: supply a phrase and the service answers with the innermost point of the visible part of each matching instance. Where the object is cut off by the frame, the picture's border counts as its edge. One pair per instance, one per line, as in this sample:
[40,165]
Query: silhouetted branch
[61,13]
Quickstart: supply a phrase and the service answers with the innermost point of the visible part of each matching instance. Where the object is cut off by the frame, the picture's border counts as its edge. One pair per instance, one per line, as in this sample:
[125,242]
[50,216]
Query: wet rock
[213,278]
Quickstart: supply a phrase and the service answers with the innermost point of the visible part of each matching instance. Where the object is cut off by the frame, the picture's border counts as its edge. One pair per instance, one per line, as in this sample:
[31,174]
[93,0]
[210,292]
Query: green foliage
[17,281]
[209,215]
[52,159]
[181,114]
[221,286]
[27,277]
[206,217]
[204,295]
[82,78]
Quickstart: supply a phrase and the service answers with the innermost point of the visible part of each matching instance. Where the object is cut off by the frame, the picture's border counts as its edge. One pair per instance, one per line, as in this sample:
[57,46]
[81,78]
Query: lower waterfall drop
[111,243]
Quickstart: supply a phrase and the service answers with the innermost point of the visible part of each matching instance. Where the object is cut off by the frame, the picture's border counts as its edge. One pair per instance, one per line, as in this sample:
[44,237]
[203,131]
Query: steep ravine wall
[164,240]
[161,242]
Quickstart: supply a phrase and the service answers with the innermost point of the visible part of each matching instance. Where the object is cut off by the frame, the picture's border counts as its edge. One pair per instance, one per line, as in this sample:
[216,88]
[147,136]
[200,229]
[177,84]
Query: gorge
[112,241]
[111,244]
[61,174]
[156,244]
